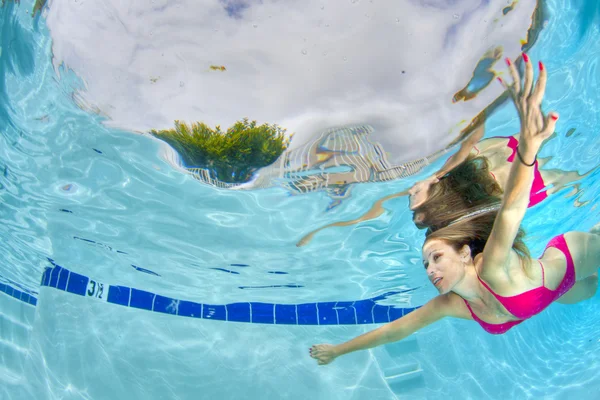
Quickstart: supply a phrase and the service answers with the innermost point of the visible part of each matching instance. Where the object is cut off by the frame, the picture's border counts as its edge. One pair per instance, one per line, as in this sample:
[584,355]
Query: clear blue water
[106,204]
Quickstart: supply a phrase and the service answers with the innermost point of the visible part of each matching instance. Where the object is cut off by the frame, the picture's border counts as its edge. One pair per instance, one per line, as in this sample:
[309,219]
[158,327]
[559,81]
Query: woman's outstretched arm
[375,211]
[446,305]
[534,130]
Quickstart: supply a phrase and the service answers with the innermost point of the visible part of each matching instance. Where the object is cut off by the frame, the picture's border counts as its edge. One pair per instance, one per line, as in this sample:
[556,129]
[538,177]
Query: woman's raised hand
[527,96]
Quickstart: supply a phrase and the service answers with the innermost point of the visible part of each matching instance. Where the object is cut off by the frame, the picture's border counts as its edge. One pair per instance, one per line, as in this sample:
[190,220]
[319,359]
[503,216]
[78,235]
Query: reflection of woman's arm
[462,153]
[373,213]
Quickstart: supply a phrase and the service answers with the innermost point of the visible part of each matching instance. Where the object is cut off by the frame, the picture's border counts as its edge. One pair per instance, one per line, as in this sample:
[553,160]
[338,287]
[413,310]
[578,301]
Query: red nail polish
[554,117]
[525,58]
[541,66]
[507,61]
[499,80]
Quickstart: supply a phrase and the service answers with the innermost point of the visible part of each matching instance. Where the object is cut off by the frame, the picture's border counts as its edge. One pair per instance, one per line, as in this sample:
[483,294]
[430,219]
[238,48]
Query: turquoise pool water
[123,277]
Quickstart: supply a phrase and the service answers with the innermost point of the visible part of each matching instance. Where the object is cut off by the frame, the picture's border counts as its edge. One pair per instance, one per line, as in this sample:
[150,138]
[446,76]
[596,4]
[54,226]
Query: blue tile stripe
[17,286]
[359,312]
[18,294]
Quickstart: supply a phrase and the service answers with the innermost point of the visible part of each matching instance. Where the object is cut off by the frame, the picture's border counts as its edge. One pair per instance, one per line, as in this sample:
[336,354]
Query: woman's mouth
[436,281]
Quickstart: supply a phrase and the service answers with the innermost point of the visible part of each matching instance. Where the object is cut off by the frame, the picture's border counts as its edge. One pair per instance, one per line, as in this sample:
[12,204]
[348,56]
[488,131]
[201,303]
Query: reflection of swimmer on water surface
[499,152]
[338,158]
[337,191]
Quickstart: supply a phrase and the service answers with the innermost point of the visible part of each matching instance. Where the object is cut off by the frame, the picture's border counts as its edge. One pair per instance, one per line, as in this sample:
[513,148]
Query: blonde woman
[480,266]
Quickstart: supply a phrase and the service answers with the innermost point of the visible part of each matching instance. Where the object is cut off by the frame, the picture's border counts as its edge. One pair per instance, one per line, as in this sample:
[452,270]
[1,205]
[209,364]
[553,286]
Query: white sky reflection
[305,65]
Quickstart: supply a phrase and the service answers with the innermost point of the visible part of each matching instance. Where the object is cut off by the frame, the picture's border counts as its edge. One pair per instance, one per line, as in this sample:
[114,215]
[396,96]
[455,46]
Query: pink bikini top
[531,302]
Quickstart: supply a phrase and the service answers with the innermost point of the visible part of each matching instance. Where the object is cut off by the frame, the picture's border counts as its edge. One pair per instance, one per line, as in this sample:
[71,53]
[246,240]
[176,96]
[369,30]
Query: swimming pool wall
[71,345]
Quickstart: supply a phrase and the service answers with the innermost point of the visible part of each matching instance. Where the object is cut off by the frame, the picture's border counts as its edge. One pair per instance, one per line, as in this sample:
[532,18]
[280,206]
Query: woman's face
[418,194]
[443,264]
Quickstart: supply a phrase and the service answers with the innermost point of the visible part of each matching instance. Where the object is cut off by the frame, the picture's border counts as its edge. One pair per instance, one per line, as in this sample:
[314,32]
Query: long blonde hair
[475,232]
[469,185]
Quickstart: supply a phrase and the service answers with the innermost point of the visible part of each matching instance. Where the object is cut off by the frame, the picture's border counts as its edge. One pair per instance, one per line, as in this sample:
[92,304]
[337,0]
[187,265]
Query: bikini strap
[486,285]
[471,310]
[543,274]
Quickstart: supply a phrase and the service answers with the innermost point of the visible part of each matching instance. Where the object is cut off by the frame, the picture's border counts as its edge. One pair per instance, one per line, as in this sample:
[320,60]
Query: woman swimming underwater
[480,265]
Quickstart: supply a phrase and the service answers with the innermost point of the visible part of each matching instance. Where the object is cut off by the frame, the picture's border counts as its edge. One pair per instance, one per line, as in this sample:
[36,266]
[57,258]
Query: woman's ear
[465,252]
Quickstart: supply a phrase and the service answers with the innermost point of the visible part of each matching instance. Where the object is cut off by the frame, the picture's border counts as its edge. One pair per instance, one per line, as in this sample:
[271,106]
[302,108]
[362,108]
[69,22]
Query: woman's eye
[435,258]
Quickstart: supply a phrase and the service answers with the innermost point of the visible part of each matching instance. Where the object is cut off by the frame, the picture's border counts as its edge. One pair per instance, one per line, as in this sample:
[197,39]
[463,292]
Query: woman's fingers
[540,118]
[516,86]
[540,86]
[551,119]
[316,350]
[510,91]
[528,81]
[528,99]
[321,353]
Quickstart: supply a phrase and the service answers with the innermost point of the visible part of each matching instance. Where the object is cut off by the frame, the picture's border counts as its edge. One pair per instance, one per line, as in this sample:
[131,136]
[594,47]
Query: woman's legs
[585,249]
[582,290]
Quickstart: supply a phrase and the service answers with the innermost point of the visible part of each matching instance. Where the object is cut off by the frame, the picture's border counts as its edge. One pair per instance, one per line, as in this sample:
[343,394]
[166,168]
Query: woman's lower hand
[323,353]
[535,127]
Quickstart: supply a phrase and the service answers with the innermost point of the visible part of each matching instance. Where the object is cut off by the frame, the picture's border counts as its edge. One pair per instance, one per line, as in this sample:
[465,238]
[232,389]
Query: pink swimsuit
[531,302]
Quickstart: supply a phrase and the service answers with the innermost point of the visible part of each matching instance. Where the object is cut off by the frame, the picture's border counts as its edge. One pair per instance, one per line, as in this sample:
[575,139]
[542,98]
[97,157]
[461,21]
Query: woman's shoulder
[450,305]
[487,270]
[516,268]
